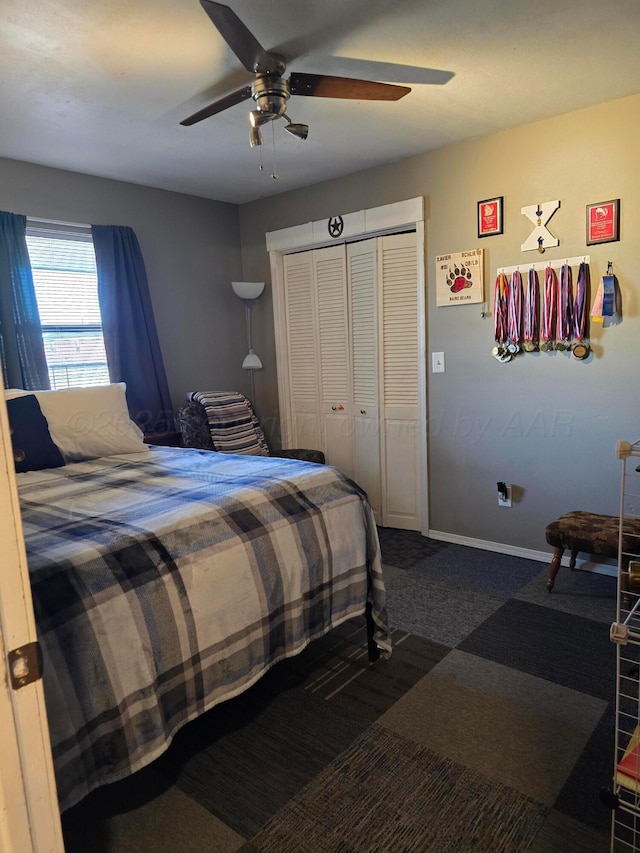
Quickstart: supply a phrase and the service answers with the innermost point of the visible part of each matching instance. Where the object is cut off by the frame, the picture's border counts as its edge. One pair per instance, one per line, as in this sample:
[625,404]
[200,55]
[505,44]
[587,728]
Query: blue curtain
[130,336]
[24,364]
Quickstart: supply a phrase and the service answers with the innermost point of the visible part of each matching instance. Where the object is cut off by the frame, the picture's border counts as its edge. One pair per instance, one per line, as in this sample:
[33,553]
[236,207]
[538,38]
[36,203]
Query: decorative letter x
[540,238]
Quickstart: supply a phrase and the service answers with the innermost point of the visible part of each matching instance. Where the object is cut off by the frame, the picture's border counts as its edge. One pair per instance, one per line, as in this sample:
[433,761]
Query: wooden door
[29,815]
[399,389]
[334,357]
[301,333]
[363,327]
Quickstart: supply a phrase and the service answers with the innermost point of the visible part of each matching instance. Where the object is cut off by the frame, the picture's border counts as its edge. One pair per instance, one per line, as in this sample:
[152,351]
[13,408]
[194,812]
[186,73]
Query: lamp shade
[251,361]
[247,289]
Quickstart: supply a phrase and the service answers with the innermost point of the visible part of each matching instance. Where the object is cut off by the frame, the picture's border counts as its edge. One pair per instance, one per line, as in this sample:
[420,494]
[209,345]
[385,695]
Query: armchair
[225,421]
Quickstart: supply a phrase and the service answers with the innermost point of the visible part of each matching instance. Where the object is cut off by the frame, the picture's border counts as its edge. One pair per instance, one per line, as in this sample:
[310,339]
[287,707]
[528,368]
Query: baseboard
[607,567]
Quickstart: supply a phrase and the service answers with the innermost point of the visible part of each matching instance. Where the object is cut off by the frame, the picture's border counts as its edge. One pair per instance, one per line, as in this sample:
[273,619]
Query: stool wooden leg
[554,567]
[572,560]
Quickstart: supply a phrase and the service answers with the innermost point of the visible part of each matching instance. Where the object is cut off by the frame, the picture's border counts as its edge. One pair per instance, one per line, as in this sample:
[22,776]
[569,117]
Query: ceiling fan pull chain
[274,174]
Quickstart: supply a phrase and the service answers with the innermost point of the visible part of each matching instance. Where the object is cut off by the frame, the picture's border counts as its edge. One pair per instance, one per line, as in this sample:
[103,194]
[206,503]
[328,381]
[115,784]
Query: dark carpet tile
[438,610]
[168,822]
[366,691]
[560,647]
[346,641]
[476,569]
[582,593]
[387,794]
[561,834]
[579,798]
[337,668]
[86,826]
[403,548]
[258,758]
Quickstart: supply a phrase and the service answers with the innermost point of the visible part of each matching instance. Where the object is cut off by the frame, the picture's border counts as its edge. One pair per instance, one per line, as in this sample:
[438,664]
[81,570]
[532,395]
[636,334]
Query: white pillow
[88,422]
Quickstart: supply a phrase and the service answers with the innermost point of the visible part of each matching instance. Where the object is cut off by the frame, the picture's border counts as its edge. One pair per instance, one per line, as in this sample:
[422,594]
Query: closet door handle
[363,411]
[334,408]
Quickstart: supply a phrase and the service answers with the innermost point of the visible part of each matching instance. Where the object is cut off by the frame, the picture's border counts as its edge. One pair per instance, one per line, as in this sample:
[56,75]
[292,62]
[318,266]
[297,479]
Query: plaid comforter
[167,581]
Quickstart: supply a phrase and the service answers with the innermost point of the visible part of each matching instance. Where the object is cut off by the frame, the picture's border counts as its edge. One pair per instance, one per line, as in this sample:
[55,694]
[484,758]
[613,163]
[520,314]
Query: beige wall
[546,423]
[191,249]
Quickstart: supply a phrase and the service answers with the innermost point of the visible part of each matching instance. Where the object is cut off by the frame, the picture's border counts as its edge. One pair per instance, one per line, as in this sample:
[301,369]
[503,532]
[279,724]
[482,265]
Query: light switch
[437,362]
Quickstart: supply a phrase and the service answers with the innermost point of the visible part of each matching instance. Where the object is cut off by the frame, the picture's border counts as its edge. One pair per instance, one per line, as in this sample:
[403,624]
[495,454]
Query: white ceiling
[100,86]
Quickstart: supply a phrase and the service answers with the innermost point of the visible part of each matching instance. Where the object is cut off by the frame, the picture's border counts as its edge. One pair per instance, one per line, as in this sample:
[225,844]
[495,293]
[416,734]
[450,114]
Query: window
[66,285]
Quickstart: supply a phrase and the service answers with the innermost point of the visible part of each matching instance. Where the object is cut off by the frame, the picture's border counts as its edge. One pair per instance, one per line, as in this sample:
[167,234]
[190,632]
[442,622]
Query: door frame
[29,812]
[345,228]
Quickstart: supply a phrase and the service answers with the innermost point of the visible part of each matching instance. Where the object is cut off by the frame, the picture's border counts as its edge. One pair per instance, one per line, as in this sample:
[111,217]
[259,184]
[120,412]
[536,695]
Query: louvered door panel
[352,332]
[362,289]
[332,323]
[302,345]
[399,316]
[362,265]
[399,410]
[334,356]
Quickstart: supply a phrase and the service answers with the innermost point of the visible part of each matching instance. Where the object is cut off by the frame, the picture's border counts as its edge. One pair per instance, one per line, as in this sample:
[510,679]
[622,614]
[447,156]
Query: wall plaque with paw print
[459,279]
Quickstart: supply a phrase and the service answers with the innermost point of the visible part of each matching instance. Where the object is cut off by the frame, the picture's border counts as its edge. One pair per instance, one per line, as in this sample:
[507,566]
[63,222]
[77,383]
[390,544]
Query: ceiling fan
[270,90]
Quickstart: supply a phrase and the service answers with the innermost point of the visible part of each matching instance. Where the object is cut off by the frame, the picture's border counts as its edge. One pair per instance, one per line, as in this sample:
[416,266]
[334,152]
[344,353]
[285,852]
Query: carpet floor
[490,729]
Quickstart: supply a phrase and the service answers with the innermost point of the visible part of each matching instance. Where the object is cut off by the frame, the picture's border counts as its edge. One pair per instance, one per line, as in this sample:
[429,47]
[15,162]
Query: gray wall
[191,248]
[546,423]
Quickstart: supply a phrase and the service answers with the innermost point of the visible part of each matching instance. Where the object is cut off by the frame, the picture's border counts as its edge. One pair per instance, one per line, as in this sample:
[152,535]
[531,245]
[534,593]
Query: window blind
[66,284]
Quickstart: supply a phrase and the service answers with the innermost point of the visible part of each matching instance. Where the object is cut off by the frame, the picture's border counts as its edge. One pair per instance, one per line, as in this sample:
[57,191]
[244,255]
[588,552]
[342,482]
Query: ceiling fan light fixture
[258,118]
[299,130]
[255,136]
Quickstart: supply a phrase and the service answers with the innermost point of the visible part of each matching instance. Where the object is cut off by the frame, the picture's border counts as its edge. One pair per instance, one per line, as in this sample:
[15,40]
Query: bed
[168,580]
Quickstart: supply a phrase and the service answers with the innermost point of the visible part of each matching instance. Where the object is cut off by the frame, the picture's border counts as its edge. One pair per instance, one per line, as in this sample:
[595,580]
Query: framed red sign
[490,216]
[603,222]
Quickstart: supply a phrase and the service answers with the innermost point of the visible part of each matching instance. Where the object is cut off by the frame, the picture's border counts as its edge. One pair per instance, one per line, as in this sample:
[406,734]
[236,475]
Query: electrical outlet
[504,494]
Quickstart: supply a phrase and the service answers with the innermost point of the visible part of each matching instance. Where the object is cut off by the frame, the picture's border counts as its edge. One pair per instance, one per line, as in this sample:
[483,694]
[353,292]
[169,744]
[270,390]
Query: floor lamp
[249,291]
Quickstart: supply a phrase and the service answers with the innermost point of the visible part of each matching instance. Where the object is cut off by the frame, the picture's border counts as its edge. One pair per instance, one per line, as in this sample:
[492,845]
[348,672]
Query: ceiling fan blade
[240,39]
[217,106]
[325,86]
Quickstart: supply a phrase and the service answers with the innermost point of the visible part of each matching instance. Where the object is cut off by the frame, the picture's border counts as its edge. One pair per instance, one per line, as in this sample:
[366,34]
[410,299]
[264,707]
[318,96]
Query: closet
[350,366]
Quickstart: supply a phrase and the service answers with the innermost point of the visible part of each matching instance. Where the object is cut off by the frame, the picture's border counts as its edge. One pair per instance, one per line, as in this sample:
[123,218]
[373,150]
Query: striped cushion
[233,424]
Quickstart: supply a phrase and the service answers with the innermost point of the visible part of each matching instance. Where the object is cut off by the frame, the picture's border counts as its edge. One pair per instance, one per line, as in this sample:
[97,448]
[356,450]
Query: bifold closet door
[398,352]
[352,343]
[302,367]
[334,356]
[362,281]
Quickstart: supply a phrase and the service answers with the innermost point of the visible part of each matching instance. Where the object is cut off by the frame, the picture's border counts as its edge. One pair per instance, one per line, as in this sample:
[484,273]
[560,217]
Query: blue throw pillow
[33,447]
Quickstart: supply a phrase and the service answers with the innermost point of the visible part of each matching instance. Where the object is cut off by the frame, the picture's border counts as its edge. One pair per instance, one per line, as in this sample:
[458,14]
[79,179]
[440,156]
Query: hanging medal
[580,348]
[548,309]
[564,315]
[531,309]
[500,298]
[514,313]
[607,299]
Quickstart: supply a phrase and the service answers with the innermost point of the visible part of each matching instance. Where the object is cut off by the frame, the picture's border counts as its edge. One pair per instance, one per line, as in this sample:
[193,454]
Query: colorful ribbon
[548,304]
[580,303]
[500,298]
[514,308]
[531,307]
[564,315]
